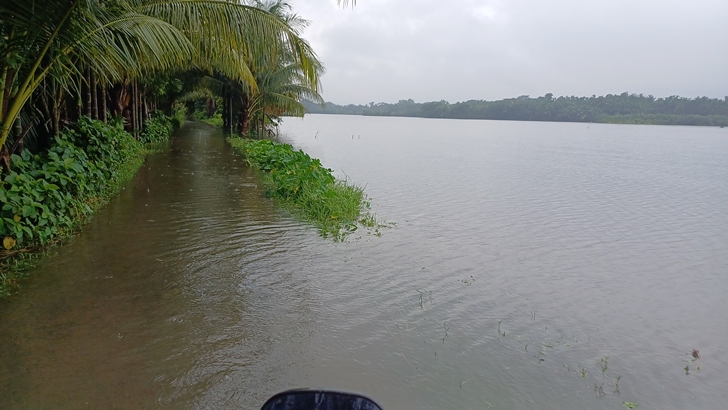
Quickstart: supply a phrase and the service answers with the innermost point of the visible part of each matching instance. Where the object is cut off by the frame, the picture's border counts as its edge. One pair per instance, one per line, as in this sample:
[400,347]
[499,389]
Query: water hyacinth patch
[303,185]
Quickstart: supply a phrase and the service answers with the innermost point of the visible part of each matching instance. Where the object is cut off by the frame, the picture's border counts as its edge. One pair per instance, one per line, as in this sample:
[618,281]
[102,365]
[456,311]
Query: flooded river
[532,265]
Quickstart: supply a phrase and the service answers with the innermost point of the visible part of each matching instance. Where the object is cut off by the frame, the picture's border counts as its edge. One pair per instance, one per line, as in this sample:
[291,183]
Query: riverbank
[624,108]
[49,196]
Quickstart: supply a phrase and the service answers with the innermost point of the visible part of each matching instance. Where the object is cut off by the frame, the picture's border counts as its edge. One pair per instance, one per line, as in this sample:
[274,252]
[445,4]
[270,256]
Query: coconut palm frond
[62,38]
[234,38]
[127,39]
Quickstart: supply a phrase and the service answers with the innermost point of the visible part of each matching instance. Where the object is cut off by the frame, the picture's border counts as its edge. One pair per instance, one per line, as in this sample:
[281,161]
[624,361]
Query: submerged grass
[304,186]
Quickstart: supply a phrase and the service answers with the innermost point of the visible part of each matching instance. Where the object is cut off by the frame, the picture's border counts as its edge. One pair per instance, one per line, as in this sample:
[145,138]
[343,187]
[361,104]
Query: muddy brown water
[524,253]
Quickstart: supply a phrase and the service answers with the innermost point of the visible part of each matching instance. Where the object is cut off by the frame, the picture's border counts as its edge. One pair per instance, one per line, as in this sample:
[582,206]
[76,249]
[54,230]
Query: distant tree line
[622,108]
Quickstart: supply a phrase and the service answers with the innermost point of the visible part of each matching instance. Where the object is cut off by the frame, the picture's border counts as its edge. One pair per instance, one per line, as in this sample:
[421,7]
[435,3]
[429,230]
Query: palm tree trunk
[18,131]
[134,109]
[245,122]
[88,93]
[56,109]
[245,114]
[140,109]
[132,121]
[145,108]
[224,111]
[79,97]
[94,97]
[103,104]
[230,104]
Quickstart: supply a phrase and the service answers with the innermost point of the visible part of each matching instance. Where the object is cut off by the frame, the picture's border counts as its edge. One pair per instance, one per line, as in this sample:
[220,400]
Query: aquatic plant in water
[303,185]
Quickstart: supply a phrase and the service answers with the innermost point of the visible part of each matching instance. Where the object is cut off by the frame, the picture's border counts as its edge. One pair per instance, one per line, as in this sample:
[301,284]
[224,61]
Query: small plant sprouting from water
[422,296]
[503,333]
[444,324]
[629,404]
[616,385]
[603,366]
[609,383]
[467,281]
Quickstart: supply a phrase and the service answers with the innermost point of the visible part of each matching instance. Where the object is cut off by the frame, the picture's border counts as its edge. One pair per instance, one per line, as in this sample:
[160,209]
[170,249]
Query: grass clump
[310,190]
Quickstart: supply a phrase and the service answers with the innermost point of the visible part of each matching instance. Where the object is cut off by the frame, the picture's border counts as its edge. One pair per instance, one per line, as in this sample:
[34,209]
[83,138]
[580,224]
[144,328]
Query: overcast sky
[457,50]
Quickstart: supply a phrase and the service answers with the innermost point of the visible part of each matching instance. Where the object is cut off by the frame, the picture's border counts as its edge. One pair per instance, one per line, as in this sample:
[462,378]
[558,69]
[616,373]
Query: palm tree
[280,92]
[62,39]
[279,85]
[119,40]
[284,12]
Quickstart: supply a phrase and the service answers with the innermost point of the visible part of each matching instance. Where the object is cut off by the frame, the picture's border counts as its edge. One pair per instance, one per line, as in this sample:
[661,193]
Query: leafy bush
[158,128]
[215,120]
[307,187]
[200,115]
[179,113]
[46,193]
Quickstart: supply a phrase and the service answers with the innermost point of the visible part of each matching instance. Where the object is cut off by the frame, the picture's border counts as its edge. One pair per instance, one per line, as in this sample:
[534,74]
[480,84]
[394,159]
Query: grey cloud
[468,49]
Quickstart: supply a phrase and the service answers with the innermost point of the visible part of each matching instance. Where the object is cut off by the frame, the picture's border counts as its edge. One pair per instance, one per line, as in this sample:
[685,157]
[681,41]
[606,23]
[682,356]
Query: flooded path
[524,254]
[149,306]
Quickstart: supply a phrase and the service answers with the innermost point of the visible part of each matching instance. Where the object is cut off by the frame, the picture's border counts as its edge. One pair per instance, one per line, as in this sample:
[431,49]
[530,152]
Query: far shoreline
[625,108]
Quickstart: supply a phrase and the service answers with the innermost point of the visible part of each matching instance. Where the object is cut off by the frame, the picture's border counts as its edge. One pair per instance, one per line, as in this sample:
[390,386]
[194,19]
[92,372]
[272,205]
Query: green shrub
[179,113]
[215,120]
[41,193]
[158,128]
[200,115]
[306,187]
[46,193]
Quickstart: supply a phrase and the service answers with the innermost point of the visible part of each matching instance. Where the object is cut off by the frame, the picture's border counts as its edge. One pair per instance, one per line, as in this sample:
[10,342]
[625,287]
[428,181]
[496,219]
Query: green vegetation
[157,128]
[122,57]
[250,109]
[215,120]
[303,185]
[84,83]
[623,108]
[46,196]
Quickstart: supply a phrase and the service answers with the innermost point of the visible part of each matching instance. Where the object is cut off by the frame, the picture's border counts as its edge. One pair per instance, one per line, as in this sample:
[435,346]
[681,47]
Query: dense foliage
[306,187]
[126,63]
[46,193]
[120,57]
[157,128]
[278,89]
[623,108]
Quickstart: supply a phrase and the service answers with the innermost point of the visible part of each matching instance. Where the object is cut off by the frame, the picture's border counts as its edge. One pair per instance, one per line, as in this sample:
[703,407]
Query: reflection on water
[525,253]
